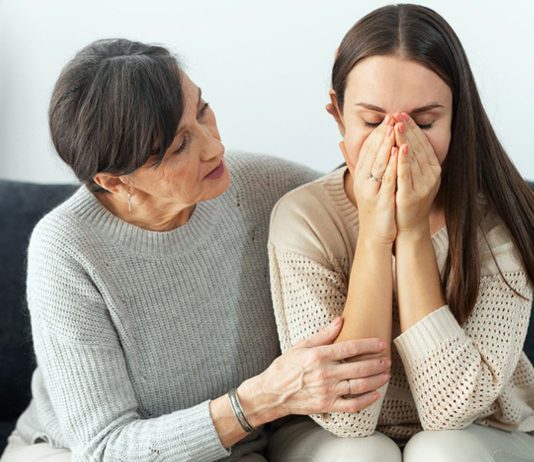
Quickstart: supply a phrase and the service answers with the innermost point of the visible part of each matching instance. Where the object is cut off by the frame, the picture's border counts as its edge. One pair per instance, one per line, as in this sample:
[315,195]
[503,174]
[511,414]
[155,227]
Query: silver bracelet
[238,411]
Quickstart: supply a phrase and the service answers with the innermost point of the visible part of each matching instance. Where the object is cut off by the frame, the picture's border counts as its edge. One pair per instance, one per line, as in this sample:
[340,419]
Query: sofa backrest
[21,207]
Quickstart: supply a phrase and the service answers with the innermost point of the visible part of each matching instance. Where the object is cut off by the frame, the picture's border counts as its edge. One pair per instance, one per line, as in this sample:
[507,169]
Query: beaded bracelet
[238,411]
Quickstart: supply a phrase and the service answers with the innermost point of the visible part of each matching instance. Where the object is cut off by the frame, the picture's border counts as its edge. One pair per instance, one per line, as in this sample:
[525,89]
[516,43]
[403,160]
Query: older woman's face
[192,169]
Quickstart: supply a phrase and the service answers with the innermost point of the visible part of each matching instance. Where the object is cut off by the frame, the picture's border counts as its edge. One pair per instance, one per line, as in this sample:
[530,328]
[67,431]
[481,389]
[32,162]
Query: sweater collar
[87,208]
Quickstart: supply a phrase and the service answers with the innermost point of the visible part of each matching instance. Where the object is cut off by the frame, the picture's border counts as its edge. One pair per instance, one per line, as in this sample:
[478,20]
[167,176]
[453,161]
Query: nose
[212,146]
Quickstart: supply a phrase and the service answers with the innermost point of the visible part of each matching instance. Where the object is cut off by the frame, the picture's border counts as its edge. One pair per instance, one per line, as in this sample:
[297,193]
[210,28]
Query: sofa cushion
[21,206]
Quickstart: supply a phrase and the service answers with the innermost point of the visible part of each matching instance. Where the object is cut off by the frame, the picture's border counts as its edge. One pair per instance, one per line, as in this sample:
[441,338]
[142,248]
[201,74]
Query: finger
[404,135]
[416,170]
[355,403]
[362,385]
[404,174]
[350,348]
[371,146]
[361,369]
[400,133]
[384,150]
[419,140]
[324,337]
[389,179]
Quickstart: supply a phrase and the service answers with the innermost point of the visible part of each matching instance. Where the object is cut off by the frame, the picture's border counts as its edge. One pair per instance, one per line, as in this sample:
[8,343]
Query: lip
[216,173]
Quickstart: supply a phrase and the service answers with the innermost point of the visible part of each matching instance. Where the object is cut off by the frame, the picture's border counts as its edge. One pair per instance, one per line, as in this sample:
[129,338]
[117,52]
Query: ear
[333,109]
[112,183]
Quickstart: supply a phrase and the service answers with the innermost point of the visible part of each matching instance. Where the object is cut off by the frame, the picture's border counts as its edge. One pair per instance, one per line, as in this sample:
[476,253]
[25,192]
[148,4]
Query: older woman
[148,289]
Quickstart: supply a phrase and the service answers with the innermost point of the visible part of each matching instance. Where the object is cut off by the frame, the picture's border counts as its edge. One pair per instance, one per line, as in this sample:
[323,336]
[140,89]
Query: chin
[221,186]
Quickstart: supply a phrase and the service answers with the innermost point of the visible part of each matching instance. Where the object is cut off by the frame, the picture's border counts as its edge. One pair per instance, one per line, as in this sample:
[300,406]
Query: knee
[373,448]
[445,446]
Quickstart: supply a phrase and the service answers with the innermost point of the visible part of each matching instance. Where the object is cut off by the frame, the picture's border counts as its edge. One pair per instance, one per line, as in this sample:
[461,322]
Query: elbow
[443,425]
[442,419]
[352,431]
[351,428]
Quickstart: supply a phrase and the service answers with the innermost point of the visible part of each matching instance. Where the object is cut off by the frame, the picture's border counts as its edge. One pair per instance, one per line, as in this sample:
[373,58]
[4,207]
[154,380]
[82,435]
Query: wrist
[414,234]
[372,241]
[259,407]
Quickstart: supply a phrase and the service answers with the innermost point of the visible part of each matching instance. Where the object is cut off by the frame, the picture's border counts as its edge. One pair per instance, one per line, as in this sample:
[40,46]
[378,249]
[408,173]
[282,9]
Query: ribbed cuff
[426,335]
[201,439]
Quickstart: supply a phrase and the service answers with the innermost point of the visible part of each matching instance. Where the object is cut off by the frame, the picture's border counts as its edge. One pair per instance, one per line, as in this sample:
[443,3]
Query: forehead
[189,89]
[395,84]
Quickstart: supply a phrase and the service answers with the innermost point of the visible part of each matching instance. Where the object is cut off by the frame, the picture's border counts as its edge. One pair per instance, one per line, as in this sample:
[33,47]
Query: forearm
[454,373]
[367,311]
[418,280]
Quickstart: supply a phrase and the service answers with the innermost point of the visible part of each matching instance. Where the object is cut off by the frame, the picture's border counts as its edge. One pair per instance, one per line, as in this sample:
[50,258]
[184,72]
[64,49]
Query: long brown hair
[476,161]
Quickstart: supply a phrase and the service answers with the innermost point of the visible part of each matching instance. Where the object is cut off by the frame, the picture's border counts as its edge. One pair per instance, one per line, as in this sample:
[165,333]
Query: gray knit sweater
[135,331]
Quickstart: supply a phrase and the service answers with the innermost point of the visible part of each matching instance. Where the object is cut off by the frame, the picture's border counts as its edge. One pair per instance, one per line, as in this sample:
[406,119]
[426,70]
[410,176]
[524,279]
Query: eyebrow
[418,110]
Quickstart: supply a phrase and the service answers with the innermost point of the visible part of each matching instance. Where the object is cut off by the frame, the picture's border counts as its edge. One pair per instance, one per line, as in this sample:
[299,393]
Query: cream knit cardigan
[443,376]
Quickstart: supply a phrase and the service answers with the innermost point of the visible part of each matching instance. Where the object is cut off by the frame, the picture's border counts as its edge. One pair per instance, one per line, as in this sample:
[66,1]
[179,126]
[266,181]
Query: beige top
[443,376]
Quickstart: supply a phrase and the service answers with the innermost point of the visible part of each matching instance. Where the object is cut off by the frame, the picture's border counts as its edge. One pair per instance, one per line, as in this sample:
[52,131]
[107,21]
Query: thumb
[325,336]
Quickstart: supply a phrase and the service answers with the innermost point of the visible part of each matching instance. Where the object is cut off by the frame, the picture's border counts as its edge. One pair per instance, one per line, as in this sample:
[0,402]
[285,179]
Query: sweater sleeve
[306,296]
[457,374]
[80,357]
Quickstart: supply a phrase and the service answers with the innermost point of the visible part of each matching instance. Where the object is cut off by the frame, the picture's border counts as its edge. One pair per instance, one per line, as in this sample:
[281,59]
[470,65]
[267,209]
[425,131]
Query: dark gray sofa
[21,206]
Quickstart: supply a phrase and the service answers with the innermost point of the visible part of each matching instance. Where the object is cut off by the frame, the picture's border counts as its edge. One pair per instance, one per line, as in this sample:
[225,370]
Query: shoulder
[59,232]
[498,252]
[308,220]
[267,175]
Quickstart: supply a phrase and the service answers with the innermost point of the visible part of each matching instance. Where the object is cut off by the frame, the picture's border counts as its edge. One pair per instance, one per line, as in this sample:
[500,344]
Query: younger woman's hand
[312,377]
[374,177]
[418,176]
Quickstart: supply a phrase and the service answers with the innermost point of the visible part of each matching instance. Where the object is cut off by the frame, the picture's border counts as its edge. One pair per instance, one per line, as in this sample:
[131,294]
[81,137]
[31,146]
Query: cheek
[354,139]
[440,141]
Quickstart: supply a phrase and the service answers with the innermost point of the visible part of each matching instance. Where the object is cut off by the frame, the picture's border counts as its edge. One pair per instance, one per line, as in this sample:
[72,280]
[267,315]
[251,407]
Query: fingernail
[389,130]
[405,149]
[382,345]
[336,321]
[387,120]
[405,117]
[387,376]
[401,127]
[393,151]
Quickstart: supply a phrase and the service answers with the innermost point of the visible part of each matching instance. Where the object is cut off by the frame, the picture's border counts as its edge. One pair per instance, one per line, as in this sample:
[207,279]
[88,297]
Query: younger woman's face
[381,85]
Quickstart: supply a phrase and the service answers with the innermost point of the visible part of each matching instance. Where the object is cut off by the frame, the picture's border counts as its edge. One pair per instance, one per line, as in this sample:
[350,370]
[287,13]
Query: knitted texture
[443,375]
[135,331]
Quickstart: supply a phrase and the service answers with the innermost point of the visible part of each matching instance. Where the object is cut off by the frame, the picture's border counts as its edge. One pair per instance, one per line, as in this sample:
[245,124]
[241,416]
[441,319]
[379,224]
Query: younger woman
[424,238]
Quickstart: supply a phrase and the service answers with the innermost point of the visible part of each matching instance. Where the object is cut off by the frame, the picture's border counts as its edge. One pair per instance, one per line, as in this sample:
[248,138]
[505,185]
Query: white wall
[263,66]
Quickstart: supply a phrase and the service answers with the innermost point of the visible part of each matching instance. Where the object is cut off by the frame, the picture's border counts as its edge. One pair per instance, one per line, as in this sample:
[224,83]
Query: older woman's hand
[312,377]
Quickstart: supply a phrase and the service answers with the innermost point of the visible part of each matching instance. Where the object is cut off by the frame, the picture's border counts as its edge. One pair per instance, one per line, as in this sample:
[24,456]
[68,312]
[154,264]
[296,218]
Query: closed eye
[183,144]
[421,126]
[372,125]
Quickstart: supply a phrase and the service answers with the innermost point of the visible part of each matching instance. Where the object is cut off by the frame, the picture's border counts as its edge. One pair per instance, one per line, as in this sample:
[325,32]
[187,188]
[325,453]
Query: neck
[147,216]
